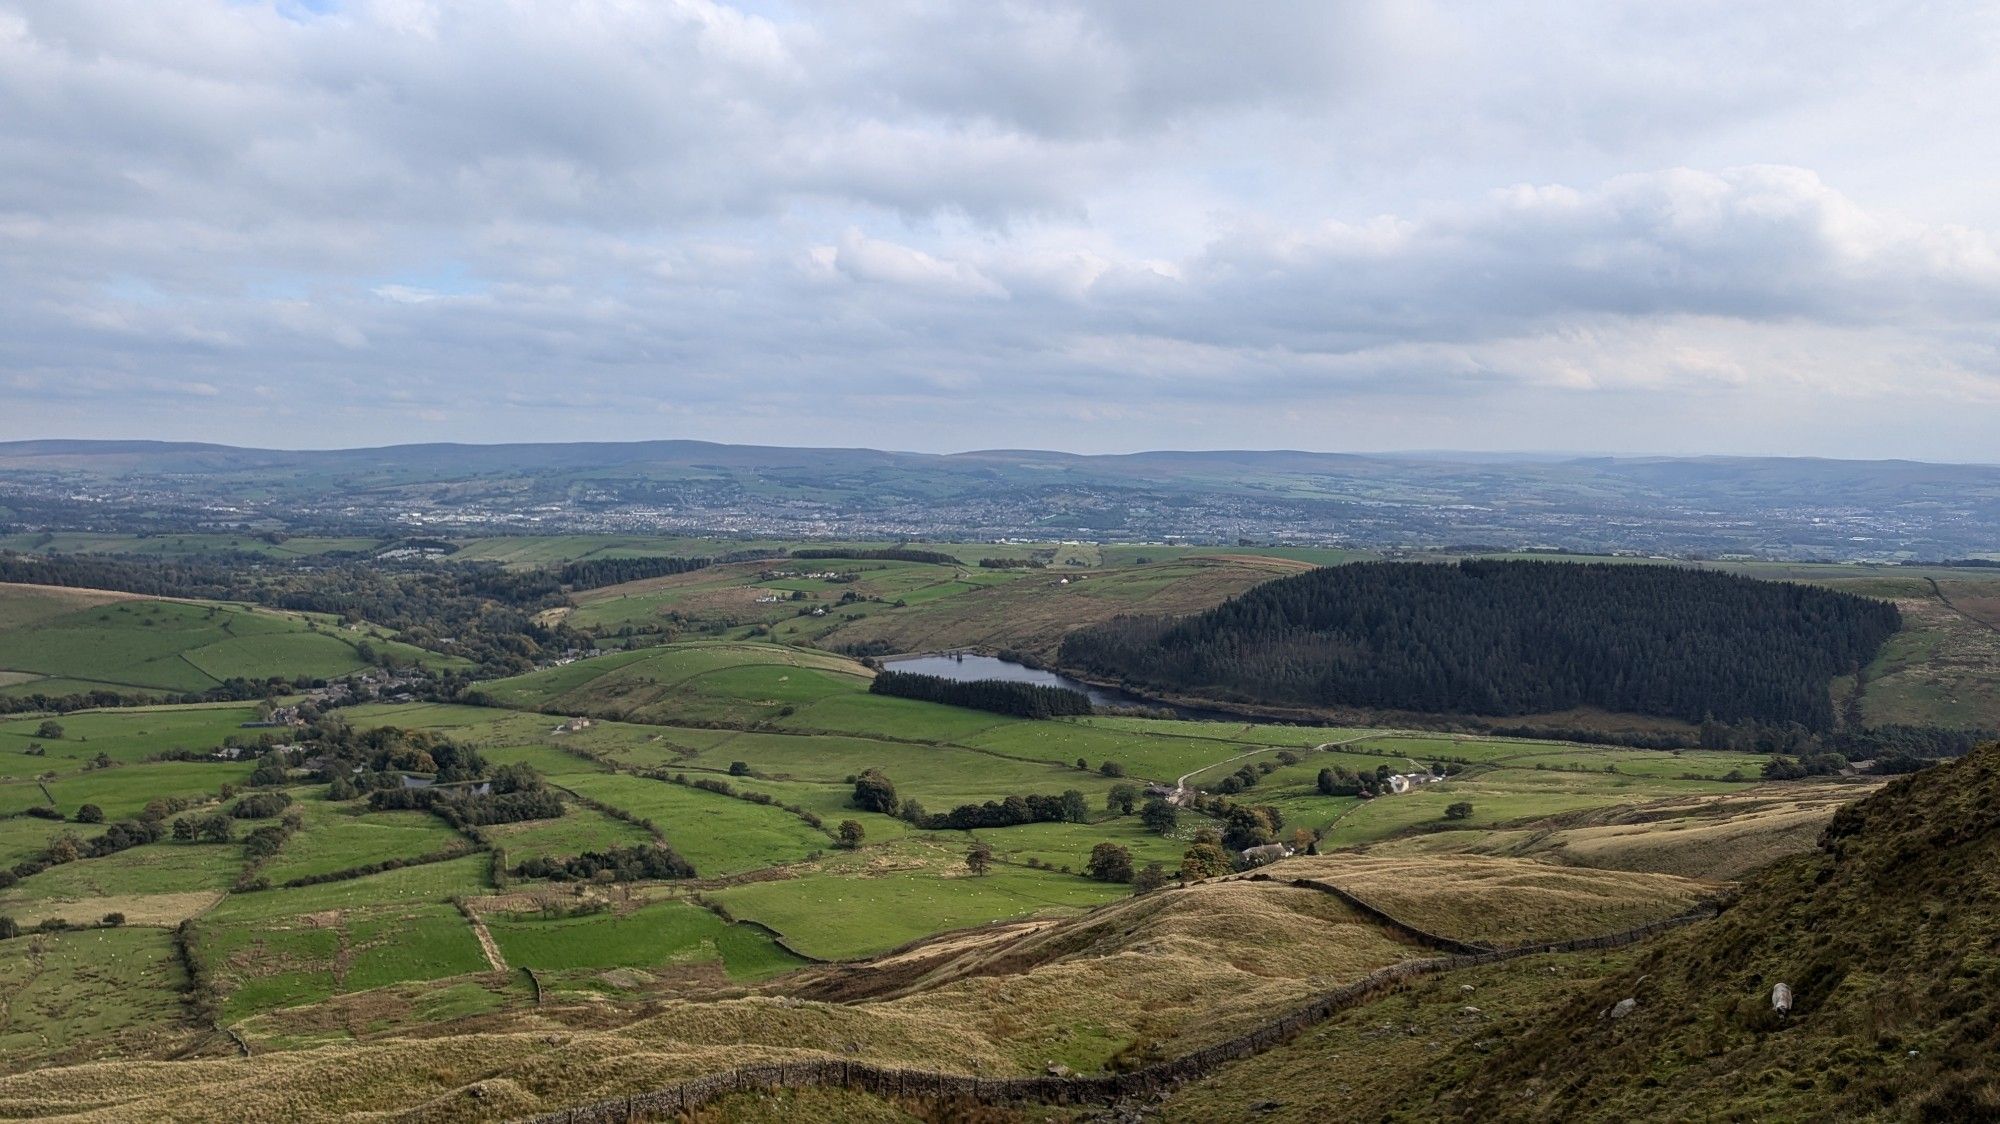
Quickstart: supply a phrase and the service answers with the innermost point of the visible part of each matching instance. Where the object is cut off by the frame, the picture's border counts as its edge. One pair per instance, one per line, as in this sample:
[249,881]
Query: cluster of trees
[1808,765]
[875,792]
[514,793]
[1069,807]
[1012,564]
[260,805]
[1338,780]
[595,573]
[149,827]
[620,864]
[1487,637]
[1022,700]
[1250,774]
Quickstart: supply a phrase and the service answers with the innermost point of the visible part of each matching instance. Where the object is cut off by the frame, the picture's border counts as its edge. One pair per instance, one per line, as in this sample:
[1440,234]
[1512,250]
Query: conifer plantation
[1506,638]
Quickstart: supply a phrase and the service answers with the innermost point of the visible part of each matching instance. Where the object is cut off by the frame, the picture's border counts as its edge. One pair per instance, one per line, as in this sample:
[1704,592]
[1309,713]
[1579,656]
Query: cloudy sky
[1686,227]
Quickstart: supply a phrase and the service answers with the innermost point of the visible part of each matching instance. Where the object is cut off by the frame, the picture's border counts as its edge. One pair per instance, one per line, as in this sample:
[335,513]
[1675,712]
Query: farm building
[1268,853]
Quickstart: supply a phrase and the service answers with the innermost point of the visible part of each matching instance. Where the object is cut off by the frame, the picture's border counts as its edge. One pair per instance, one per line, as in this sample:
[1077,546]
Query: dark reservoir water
[969,668]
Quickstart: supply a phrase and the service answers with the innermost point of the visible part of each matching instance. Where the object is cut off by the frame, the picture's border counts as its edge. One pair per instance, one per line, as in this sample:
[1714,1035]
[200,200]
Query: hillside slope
[1889,937]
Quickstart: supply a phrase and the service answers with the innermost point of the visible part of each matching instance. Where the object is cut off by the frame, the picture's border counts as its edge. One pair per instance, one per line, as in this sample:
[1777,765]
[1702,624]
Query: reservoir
[965,667]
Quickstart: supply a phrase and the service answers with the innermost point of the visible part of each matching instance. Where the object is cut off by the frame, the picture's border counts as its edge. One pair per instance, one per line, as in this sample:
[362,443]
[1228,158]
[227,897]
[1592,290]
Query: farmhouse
[1268,853]
[573,725]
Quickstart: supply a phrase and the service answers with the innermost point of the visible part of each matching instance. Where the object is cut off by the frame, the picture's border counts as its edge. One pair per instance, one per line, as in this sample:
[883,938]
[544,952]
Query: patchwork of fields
[733,734]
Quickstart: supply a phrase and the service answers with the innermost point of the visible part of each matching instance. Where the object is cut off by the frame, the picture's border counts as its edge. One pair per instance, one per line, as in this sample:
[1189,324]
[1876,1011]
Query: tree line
[1509,638]
[1022,700]
[883,554]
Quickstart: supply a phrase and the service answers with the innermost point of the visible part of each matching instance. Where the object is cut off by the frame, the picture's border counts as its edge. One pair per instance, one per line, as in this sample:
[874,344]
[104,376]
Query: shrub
[260,805]
[1109,863]
[90,813]
[1459,811]
[873,792]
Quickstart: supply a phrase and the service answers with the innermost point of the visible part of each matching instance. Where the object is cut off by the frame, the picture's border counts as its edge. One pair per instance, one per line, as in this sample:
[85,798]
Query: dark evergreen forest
[1503,638]
[1023,700]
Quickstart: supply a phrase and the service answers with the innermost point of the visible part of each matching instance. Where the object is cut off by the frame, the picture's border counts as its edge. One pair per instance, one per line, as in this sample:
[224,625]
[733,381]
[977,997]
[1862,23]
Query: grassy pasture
[659,934]
[1500,796]
[102,992]
[124,790]
[839,915]
[941,776]
[410,885]
[720,835]
[861,713]
[1068,844]
[157,868]
[291,960]
[23,837]
[342,836]
[178,646]
[124,735]
[694,683]
[577,830]
[1033,612]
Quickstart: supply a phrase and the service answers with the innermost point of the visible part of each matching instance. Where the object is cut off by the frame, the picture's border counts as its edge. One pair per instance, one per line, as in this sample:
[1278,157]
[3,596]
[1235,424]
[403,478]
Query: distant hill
[1772,507]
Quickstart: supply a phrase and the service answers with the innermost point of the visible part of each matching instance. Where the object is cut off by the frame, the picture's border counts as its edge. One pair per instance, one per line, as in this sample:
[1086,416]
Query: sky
[1733,227]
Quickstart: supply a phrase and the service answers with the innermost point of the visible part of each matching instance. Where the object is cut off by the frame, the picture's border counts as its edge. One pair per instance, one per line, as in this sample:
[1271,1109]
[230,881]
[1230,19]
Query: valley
[692,836]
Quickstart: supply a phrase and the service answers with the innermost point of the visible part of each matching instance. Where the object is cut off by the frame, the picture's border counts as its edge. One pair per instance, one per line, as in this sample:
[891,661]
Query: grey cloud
[1004,223]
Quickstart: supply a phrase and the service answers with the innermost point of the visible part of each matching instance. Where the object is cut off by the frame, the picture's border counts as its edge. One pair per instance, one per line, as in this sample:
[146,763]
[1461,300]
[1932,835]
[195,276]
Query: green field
[719,835]
[836,917]
[659,935]
[289,961]
[102,992]
[343,836]
[577,830]
[170,646]
[126,735]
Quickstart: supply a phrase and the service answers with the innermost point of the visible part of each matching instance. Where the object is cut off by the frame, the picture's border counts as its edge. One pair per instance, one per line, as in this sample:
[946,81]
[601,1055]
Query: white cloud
[1107,224]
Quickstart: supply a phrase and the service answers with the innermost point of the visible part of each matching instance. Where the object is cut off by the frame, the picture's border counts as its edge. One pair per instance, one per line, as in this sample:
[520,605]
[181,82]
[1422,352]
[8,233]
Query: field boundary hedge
[889,1081]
